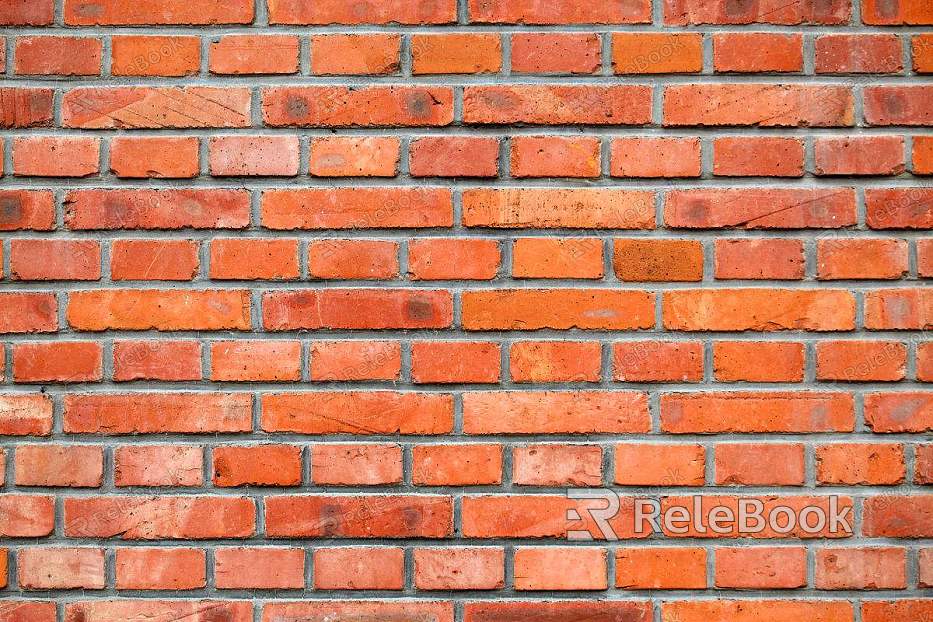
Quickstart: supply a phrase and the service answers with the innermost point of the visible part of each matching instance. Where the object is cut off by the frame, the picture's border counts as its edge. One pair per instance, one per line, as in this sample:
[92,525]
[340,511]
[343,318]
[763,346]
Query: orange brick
[860,464]
[446,258]
[62,56]
[758,361]
[655,157]
[56,156]
[760,259]
[841,53]
[555,156]
[459,568]
[155,157]
[657,53]
[642,464]
[557,465]
[560,568]
[757,52]
[355,360]
[359,568]
[254,156]
[257,465]
[456,465]
[455,156]
[754,156]
[244,258]
[861,361]
[369,54]
[456,53]
[74,466]
[144,568]
[658,260]
[264,568]
[656,567]
[759,464]
[353,259]
[347,156]
[657,361]
[761,568]
[454,362]
[557,258]
[555,361]
[255,361]
[57,361]
[147,55]
[555,53]
[356,465]
[254,54]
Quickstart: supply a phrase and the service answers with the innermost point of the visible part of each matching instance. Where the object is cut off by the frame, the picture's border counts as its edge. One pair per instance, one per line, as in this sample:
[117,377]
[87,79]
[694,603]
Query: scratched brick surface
[358,310]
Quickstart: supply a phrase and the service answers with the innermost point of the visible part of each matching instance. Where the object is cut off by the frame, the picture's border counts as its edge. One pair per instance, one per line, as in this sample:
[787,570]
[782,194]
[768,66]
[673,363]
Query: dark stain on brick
[740,8]
[11,208]
[887,9]
[418,309]
[296,107]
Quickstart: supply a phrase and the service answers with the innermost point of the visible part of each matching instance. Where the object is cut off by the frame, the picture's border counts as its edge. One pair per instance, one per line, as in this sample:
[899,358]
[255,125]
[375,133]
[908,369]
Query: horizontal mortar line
[583,130]
[857,81]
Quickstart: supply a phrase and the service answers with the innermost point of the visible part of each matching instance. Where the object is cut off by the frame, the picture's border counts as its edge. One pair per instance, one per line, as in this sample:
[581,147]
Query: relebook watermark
[702,516]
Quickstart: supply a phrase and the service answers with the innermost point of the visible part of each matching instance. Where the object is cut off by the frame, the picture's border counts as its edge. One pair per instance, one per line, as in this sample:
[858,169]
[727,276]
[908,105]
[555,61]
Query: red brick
[557,611]
[654,568]
[760,464]
[26,516]
[257,465]
[860,464]
[643,52]
[456,53]
[923,153]
[899,412]
[26,209]
[861,361]
[907,610]
[557,105]
[657,361]
[359,516]
[28,312]
[560,568]
[239,156]
[155,413]
[241,258]
[363,412]
[356,465]
[357,309]
[58,56]
[861,568]
[925,362]
[355,360]
[921,49]
[760,259]
[256,361]
[925,559]
[754,52]
[254,54]
[327,12]
[899,208]
[763,105]
[903,12]
[359,568]
[350,156]
[156,360]
[555,156]
[140,107]
[29,610]
[357,208]
[898,309]
[164,12]
[754,156]
[456,465]
[557,465]
[450,258]
[875,155]
[763,310]
[340,106]
[559,12]
[573,208]
[750,412]
[59,568]
[57,361]
[689,12]
[25,414]
[561,309]
[454,362]
[27,13]
[557,258]
[54,260]
[364,54]
[555,53]
[758,361]
[925,257]
[555,412]
[455,156]
[74,466]
[165,310]
[263,568]
[751,208]
[148,55]
[761,568]
[459,568]
[839,53]
[154,157]
[658,260]
[140,568]
[555,361]
[924,467]
[655,157]
[51,156]
[154,260]
[158,465]
[353,259]
[142,609]
[436,611]
[898,105]
[156,209]
[160,518]
[25,107]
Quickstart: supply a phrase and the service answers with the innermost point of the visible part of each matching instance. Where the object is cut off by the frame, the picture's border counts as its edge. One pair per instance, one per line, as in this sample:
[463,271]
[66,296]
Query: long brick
[757,412]
[326,12]
[357,208]
[577,208]
[763,105]
[746,208]
[337,106]
[162,12]
[166,310]
[557,105]
[357,309]
[155,413]
[532,309]
[89,209]
[156,107]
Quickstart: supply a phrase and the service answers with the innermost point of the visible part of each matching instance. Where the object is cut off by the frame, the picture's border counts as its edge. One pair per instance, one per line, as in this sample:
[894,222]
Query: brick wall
[326,310]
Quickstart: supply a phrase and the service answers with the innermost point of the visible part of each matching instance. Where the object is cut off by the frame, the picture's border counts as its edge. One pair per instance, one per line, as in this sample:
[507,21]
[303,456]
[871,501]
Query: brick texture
[359,310]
